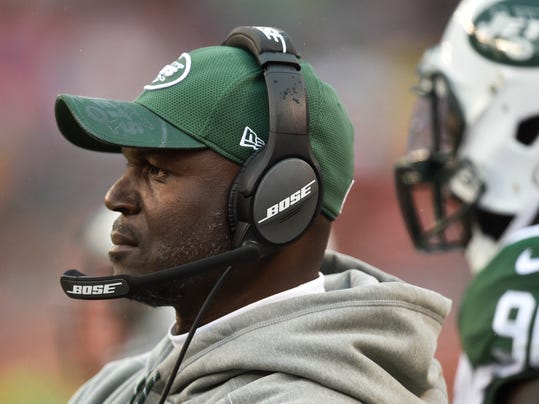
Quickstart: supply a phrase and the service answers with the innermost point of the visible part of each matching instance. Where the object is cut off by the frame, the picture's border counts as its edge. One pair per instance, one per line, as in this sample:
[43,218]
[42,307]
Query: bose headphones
[278,192]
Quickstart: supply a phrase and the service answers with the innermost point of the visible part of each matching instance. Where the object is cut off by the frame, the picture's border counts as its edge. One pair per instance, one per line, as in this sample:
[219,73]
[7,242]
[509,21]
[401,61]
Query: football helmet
[471,174]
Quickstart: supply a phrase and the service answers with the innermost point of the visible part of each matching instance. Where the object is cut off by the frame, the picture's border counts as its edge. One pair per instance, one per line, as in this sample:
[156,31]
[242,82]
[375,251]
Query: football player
[470,179]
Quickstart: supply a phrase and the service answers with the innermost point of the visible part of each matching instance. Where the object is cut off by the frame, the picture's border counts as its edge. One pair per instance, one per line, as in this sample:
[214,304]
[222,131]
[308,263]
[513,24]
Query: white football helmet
[473,158]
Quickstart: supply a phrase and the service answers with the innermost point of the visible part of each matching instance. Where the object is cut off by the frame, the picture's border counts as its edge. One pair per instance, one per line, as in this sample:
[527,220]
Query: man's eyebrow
[137,154]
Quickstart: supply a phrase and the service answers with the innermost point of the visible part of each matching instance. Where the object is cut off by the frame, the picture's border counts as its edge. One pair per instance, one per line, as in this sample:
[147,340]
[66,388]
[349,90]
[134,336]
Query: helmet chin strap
[480,250]
[527,215]
[523,219]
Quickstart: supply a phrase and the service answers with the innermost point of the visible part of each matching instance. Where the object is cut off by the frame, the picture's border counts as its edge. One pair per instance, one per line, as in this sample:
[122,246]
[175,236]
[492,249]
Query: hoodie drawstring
[143,388]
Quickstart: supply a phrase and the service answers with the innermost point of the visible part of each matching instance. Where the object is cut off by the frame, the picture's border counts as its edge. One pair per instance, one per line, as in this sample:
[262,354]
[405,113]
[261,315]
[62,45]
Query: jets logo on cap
[171,74]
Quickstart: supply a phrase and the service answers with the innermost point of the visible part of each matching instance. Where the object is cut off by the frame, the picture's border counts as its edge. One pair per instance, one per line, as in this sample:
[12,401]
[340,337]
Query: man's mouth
[121,239]
[123,244]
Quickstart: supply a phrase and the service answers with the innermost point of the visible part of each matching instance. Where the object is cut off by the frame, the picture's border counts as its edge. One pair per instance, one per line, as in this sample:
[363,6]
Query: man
[277,330]
[474,143]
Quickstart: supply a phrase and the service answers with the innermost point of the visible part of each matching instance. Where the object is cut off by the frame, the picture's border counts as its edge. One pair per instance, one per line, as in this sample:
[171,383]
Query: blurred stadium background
[51,191]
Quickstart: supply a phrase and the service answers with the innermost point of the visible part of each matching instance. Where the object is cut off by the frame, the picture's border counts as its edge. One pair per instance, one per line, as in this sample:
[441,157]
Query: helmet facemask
[427,176]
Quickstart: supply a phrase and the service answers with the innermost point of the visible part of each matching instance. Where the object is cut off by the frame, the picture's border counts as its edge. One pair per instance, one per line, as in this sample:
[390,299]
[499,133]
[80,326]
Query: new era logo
[250,139]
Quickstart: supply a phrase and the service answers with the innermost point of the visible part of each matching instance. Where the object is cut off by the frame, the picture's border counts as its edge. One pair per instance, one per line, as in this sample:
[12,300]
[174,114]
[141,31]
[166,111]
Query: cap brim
[107,125]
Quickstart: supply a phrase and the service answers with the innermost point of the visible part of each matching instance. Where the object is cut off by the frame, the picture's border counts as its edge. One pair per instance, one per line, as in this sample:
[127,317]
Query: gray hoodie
[370,338]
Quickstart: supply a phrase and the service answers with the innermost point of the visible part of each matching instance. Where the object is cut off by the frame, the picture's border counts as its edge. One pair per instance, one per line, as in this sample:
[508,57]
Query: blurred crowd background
[52,192]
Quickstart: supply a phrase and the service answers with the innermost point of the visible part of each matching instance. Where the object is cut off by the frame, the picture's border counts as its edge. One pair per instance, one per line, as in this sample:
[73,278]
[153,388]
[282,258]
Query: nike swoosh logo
[526,264]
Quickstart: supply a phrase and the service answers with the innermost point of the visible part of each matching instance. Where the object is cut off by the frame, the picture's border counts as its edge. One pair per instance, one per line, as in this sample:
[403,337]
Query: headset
[277,193]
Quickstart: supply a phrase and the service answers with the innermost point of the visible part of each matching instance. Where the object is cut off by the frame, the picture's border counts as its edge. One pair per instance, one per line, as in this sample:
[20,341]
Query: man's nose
[122,197]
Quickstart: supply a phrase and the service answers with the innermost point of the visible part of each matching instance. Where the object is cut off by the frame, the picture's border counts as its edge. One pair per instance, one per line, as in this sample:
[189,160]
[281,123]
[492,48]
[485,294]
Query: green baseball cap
[213,97]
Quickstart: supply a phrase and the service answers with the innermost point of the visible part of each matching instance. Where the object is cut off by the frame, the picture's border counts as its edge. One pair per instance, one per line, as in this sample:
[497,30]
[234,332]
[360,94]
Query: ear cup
[286,201]
[280,208]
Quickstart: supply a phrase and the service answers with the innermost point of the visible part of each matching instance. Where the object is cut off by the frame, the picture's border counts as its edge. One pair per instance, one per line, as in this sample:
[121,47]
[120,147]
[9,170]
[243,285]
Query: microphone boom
[77,285]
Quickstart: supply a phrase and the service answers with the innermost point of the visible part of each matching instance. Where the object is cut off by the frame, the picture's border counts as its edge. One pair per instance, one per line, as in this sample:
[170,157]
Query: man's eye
[156,172]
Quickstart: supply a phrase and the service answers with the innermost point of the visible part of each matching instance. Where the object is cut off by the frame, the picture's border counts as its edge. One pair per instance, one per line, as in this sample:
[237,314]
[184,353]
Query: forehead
[136,154]
[202,159]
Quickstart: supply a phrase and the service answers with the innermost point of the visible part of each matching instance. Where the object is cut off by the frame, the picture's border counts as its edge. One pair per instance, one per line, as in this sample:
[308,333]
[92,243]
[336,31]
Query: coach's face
[173,206]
